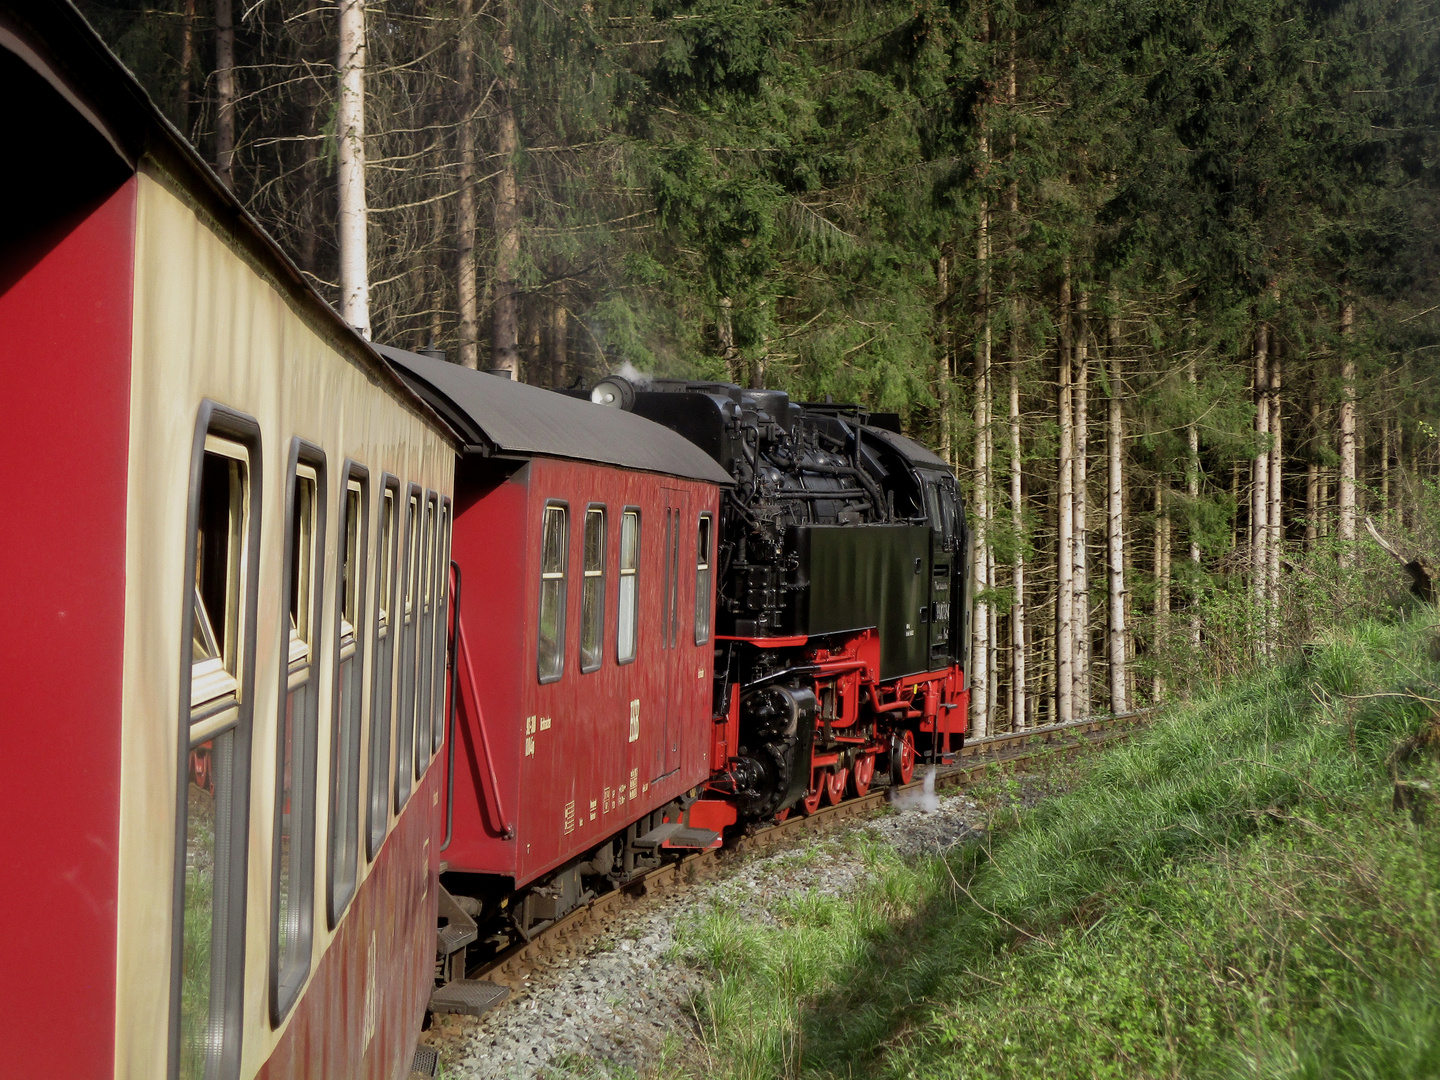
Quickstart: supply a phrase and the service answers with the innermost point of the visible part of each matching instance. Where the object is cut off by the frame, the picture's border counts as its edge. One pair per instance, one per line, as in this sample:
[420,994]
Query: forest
[1159,279]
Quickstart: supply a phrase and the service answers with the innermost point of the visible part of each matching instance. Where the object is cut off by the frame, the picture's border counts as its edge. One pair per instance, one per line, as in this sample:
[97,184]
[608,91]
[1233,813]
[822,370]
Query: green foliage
[1228,895]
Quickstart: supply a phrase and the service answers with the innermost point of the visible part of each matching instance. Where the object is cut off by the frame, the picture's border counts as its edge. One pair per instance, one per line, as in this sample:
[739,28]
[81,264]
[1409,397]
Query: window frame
[340,891]
[585,574]
[422,748]
[405,750]
[287,980]
[562,621]
[221,422]
[704,565]
[442,621]
[381,713]
[621,573]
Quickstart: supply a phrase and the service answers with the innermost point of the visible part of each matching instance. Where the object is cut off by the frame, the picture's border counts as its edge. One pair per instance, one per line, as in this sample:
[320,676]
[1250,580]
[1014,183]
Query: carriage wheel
[902,757]
[862,774]
[835,786]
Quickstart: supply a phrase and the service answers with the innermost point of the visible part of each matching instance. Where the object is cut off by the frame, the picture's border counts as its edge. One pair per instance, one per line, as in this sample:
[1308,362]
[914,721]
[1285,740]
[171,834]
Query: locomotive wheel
[811,802]
[862,774]
[781,815]
[835,786]
[902,757]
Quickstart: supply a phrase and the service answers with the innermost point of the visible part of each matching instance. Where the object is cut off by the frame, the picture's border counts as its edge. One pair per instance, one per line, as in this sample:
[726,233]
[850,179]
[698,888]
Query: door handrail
[492,793]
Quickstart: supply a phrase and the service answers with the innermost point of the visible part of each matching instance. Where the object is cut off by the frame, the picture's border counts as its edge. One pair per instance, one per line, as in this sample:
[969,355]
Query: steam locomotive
[842,604]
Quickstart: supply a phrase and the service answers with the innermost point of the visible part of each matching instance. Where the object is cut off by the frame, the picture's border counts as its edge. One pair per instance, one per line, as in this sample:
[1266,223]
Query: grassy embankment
[1230,895]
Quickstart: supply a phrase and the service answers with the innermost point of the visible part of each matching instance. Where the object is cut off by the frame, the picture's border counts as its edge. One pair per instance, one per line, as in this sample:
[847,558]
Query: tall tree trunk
[1312,473]
[1192,492]
[1276,490]
[725,331]
[944,369]
[1260,478]
[1065,533]
[225,92]
[1161,599]
[980,655]
[350,119]
[505,319]
[187,65]
[1345,525]
[559,337]
[1115,516]
[467,287]
[1385,466]
[1080,659]
[1017,523]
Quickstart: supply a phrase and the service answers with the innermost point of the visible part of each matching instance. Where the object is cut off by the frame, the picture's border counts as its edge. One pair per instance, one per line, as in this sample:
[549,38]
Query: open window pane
[294,837]
[704,543]
[555,541]
[592,597]
[213,821]
[409,619]
[629,606]
[382,689]
[344,849]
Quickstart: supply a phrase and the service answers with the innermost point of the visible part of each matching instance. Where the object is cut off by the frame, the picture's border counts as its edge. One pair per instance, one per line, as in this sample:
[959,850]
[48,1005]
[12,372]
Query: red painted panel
[396,908]
[582,753]
[66,296]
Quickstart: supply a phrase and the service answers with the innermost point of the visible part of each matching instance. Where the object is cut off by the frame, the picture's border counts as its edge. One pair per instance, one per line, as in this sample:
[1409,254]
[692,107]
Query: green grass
[1229,895]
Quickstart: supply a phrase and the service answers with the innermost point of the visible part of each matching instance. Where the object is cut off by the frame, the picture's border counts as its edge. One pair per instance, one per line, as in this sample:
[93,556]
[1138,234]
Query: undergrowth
[1229,895]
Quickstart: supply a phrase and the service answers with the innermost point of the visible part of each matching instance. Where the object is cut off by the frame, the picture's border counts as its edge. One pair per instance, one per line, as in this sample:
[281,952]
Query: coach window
[554,557]
[429,592]
[442,621]
[629,607]
[293,878]
[344,845]
[409,611]
[382,687]
[592,596]
[209,886]
[704,553]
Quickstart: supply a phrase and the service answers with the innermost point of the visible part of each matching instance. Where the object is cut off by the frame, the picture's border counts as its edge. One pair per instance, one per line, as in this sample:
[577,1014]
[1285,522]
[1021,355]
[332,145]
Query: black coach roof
[496,416]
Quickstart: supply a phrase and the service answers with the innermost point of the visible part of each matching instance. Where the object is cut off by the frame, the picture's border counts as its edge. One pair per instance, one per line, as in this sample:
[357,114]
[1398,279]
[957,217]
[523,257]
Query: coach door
[673,639]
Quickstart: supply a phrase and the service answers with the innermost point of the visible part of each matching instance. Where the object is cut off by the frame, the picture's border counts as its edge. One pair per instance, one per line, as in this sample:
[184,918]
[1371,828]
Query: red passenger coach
[223,661]
[585,542]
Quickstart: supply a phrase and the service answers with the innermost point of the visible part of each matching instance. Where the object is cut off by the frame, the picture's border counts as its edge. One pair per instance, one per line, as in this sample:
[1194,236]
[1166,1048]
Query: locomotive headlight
[614,391]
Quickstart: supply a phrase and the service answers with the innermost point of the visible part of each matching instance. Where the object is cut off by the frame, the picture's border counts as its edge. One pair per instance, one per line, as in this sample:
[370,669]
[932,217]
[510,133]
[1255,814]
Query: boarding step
[676,834]
[471,997]
[425,1063]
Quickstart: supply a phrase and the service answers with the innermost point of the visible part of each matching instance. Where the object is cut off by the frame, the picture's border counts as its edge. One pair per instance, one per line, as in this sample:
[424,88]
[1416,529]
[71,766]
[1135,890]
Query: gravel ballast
[618,1006]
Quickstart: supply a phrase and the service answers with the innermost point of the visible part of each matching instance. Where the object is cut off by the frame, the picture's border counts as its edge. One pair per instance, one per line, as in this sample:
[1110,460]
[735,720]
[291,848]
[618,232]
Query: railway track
[571,934]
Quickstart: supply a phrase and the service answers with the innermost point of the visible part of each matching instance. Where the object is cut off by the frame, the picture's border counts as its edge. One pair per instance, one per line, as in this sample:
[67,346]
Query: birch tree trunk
[1115,516]
[1065,532]
[1276,488]
[1161,601]
[1345,525]
[467,287]
[1260,478]
[505,318]
[225,92]
[979,680]
[1080,660]
[1312,474]
[1017,523]
[1385,467]
[350,121]
[942,387]
[1192,491]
